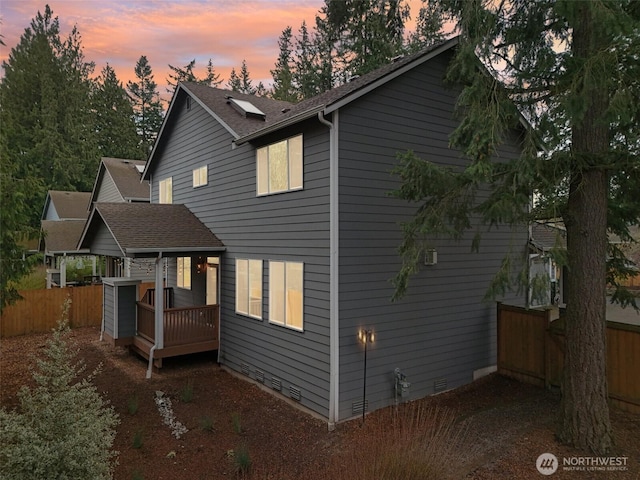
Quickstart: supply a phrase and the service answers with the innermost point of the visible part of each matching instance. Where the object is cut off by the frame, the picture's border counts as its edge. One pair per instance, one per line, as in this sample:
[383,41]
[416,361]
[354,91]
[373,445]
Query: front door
[213,264]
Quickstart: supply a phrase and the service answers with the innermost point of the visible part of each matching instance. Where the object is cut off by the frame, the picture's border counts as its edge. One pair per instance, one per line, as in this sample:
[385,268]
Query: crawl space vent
[356,407]
[244,368]
[440,385]
[294,393]
[276,384]
[260,376]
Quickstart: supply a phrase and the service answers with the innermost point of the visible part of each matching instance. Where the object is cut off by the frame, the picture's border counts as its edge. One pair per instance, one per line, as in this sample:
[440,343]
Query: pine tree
[312,70]
[186,74]
[115,126]
[570,68]
[64,429]
[282,74]
[429,27]
[46,113]
[242,82]
[146,103]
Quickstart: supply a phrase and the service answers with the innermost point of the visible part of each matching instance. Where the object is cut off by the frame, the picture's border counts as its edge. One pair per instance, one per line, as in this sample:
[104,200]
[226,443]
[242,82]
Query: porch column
[159,307]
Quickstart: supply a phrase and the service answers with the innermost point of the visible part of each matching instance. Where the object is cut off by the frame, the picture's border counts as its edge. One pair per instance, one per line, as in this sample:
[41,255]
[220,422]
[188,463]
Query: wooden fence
[530,351]
[40,310]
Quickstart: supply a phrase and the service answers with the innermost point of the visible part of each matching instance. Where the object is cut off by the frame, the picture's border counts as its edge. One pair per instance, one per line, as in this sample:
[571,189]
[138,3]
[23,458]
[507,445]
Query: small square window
[200,176]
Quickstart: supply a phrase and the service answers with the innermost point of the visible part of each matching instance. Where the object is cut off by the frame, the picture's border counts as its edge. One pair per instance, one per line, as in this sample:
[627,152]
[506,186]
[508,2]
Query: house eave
[152,252]
[312,112]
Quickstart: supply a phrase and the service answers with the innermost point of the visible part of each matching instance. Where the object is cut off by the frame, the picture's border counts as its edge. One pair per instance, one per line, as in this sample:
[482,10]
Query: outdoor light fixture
[366,337]
[201,266]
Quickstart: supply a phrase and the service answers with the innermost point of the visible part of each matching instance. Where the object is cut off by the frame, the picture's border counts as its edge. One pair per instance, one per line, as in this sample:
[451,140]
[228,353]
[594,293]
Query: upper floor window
[200,176]
[184,273]
[249,287]
[286,294]
[165,190]
[279,166]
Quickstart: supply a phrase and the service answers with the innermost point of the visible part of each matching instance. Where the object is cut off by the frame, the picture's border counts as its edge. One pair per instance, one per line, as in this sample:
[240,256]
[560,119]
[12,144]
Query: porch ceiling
[146,230]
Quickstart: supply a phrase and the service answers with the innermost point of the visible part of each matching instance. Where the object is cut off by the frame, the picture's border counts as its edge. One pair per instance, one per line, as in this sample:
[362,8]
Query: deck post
[159,304]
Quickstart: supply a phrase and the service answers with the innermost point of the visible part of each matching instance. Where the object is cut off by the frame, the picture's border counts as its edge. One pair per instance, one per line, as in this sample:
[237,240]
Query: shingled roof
[145,229]
[69,205]
[126,177]
[61,237]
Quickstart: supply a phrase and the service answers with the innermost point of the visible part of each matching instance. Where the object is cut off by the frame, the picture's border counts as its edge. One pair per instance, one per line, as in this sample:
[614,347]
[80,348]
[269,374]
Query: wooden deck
[186,330]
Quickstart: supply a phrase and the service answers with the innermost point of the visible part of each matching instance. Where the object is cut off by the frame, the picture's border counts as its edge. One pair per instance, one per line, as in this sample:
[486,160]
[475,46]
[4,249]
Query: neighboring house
[302,241]
[119,181]
[546,277]
[63,219]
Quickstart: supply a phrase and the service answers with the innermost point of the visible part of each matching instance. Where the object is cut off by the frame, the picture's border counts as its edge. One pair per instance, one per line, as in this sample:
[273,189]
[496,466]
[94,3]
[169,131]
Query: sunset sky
[171,31]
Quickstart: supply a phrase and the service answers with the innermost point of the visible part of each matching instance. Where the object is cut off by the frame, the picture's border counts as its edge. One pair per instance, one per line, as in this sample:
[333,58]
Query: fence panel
[40,310]
[531,352]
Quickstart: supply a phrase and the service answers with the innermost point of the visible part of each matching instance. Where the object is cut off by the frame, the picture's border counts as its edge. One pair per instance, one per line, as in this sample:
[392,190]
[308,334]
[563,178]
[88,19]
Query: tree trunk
[585,412]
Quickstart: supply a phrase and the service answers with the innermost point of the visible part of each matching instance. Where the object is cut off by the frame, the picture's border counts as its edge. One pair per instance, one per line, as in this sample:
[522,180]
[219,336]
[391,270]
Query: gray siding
[291,226]
[103,242]
[108,191]
[442,329]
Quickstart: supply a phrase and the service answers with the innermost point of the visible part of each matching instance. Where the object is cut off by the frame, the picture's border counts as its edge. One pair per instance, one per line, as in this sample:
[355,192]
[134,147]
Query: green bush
[64,428]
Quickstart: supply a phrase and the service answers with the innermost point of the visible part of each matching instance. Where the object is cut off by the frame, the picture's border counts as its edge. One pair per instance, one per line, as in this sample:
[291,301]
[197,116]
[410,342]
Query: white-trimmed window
[279,166]
[184,272]
[165,190]
[286,298]
[249,287]
[200,176]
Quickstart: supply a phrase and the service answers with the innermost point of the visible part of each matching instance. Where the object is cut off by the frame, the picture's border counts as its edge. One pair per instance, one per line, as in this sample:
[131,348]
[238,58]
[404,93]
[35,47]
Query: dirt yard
[496,427]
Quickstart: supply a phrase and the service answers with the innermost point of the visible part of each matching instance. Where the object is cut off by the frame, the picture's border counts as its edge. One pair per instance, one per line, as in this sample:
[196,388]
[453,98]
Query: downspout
[158,314]
[334,311]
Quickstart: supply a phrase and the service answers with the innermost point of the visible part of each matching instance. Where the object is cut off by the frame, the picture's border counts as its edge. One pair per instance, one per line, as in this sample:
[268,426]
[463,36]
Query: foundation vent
[244,368]
[440,385]
[276,384]
[260,376]
[356,407]
[294,393]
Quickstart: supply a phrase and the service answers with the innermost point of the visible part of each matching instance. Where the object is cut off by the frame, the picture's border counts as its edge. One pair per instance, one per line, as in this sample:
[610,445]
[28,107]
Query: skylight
[246,108]
[140,168]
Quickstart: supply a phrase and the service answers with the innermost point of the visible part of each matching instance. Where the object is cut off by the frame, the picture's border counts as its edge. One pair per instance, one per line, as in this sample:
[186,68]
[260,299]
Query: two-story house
[278,216]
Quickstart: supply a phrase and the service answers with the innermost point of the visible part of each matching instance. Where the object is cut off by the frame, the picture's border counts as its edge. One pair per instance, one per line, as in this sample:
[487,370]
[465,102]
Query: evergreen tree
[242,82]
[312,70]
[115,126]
[186,74]
[282,74]
[429,27]
[146,103]
[572,69]
[365,34]
[46,114]
[64,428]
[234,82]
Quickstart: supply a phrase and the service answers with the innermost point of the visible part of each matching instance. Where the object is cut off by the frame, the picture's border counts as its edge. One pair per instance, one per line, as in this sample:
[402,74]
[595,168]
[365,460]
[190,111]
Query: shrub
[235,422]
[132,404]
[206,423]
[186,394]
[242,461]
[64,428]
[138,439]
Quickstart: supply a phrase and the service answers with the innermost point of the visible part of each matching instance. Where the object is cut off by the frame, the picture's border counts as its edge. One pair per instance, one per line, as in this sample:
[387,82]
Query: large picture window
[279,166]
[165,190]
[286,297]
[249,287]
[184,272]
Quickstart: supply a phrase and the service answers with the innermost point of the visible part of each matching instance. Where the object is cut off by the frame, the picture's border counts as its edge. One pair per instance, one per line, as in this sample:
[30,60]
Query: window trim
[248,288]
[286,323]
[289,169]
[197,172]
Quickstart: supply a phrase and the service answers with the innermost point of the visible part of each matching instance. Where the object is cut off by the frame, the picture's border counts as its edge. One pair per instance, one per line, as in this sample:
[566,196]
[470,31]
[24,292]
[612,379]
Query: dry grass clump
[411,442]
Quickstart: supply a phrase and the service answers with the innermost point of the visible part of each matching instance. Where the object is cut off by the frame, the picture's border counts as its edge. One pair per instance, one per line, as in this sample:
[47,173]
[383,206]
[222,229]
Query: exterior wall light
[365,337]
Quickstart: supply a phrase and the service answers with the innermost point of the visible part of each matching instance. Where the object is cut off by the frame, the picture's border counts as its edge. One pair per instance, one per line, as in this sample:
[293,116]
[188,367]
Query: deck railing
[182,326]
[150,297]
